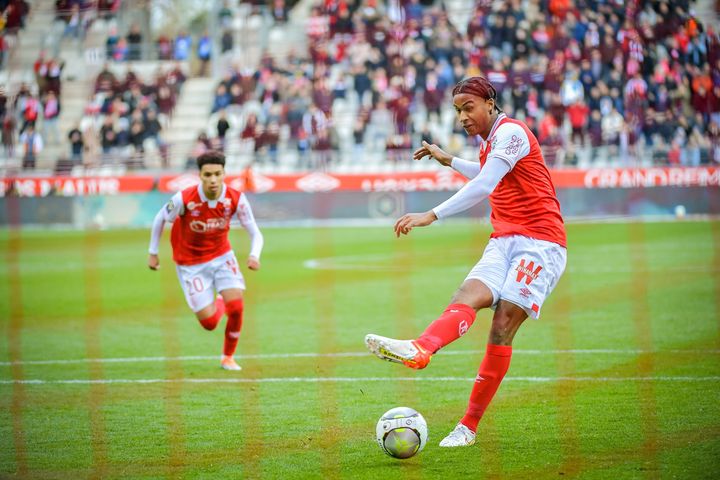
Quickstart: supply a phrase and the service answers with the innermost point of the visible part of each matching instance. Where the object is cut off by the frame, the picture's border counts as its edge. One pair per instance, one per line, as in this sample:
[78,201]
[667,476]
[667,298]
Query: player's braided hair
[478,86]
[212,157]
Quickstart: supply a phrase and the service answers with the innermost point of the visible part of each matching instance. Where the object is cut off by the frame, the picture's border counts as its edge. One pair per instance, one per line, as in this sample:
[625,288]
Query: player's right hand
[432,150]
[153,262]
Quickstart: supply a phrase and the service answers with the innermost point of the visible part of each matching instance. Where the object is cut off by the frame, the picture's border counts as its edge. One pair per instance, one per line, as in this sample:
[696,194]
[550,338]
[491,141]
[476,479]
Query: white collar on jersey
[495,126]
[211,203]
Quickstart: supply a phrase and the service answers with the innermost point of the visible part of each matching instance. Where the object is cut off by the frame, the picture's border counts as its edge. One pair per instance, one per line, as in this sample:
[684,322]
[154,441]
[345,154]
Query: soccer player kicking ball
[205,260]
[522,262]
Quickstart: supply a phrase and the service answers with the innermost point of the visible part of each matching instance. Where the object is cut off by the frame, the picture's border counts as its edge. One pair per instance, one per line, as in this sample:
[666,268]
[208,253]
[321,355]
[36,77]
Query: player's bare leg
[451,325]
[506,322]
[233,299]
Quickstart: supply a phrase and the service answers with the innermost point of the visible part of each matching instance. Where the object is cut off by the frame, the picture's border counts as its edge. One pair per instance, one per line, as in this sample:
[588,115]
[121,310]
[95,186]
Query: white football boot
[461,436]
[407,352]
[229,363]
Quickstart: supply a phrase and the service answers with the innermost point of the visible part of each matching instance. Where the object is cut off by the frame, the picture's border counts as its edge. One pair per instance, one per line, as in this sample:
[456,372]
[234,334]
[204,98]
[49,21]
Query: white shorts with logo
[201,281]
[520,270]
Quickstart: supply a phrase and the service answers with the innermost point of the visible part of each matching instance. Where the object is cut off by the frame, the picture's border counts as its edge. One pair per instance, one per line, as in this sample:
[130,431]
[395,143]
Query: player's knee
[209,323]
[505,324]
[234,307]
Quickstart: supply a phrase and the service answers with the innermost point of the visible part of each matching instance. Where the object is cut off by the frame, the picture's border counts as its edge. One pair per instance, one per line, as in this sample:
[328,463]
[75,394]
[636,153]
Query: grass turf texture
[619,379]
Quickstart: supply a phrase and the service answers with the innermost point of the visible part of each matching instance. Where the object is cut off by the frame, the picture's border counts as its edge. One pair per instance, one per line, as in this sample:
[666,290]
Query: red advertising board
[441,180]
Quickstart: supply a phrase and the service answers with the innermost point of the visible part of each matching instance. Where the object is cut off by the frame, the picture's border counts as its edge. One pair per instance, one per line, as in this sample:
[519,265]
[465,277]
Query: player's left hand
[406,223]
[253,263]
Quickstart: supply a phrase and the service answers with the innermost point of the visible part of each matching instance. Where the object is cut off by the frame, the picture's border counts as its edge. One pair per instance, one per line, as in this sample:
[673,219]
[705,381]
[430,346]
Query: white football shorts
[201,281]
[520,270]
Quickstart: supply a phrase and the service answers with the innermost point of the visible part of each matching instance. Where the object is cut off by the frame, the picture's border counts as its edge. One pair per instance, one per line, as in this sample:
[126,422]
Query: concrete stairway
[190,117]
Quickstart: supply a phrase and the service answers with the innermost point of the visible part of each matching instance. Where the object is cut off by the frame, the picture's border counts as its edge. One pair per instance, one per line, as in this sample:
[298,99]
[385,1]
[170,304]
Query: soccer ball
[401,432]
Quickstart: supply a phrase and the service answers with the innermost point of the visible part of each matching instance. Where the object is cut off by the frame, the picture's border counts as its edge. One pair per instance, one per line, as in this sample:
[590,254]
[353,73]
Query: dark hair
[478,86]
[213,157]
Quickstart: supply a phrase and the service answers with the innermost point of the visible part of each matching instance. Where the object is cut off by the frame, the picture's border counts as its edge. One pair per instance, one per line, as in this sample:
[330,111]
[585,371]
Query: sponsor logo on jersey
[212,224]
[525,292]
[192,205]
[529,272]
[514,147]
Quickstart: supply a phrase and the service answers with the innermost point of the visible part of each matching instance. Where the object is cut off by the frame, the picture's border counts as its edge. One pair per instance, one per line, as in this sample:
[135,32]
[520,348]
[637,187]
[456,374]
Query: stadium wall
[139,209]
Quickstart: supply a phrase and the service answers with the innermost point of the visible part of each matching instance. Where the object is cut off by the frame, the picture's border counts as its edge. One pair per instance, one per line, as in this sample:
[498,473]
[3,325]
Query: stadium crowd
[620,83]
[629,81]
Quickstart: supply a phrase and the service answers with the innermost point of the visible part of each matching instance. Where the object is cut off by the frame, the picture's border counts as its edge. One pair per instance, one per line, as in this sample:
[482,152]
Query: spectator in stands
[73,23]
[108,137]
[183,44]
[52,70]
[77,144]
[30,112]
[136,136]
[134,40]
[8,134]
[204,53]
[279,11]
[225,15]
[107,9]
[51,113]
[222,126]
[164,47]
[222,98]
[202,145]
[227,41]
[578,114]
[32,144]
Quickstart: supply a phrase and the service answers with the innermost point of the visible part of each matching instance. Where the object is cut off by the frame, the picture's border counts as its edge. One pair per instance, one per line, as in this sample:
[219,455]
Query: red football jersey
[524,202]
[200,231]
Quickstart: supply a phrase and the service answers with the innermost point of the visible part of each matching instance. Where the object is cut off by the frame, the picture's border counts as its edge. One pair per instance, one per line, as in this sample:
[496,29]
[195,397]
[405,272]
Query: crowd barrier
[132,201]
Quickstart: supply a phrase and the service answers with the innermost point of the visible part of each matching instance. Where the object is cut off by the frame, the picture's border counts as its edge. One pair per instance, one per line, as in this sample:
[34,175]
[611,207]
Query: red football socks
[452,324]
[211,322]
[234,324]
[492,370]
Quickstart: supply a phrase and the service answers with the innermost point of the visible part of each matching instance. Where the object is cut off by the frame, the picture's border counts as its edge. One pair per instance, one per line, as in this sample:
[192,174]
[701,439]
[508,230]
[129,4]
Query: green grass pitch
[104,373]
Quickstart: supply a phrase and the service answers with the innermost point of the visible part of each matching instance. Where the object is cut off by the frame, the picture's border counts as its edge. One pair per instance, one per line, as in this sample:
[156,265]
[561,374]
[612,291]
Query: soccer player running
[522,262]
[205,260]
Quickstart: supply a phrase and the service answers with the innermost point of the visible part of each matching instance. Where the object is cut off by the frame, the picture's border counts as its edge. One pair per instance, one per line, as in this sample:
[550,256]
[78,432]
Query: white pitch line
[264,356]
[355,380]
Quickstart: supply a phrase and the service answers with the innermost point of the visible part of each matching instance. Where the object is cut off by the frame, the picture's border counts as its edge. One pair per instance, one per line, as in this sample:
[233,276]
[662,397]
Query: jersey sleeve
[476,190]
[247,220]
[466,168]
[168,213]
[510,145]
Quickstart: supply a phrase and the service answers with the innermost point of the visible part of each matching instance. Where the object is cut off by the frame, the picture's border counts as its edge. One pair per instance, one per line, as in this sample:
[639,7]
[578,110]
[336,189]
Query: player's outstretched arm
[253,263]
[153,262]
[432,150]
[406,223]
[166,214]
